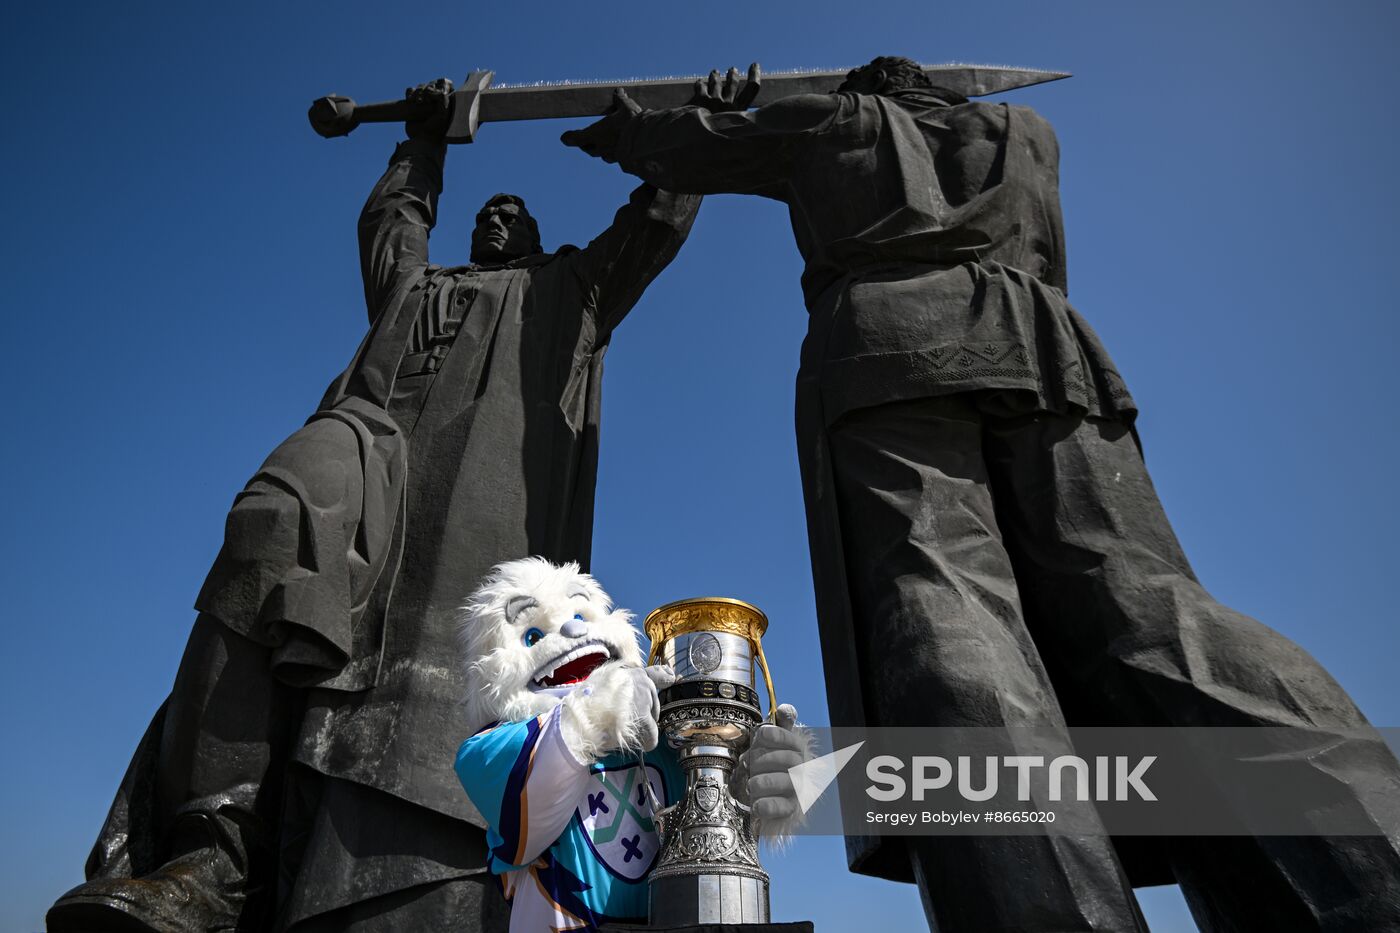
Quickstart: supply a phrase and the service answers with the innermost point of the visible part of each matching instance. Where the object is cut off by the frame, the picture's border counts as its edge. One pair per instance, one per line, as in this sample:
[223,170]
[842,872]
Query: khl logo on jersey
[617,819]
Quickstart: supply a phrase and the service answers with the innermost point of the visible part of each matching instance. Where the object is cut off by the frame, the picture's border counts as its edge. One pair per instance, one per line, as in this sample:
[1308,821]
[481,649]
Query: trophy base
[712,897]
[801,926]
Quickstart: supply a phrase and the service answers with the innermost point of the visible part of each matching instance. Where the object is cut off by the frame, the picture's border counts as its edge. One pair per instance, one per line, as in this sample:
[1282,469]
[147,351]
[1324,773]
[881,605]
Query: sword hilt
[334,115]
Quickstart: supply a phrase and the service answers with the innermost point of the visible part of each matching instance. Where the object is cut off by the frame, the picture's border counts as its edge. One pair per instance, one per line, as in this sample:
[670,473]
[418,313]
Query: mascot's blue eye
[533,636]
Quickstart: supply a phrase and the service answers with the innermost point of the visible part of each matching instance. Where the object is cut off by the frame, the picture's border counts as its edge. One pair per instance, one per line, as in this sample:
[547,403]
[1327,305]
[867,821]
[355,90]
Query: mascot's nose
[574,628]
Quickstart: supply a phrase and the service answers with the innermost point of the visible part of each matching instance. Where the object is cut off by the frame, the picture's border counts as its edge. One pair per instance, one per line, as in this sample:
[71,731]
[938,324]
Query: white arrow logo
[811,778]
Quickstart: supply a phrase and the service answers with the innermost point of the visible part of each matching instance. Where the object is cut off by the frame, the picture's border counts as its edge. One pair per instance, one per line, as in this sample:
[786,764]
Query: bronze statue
[987,547]
[299,776]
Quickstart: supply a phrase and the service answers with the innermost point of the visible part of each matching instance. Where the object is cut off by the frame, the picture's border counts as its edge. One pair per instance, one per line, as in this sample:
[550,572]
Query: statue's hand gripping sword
[476,101]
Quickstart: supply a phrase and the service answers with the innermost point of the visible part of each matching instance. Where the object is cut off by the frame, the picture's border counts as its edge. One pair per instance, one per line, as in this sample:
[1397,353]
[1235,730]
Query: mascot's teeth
[574,666]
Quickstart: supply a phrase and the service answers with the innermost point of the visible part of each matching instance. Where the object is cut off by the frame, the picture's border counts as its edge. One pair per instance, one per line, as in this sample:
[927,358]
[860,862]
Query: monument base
[801,926]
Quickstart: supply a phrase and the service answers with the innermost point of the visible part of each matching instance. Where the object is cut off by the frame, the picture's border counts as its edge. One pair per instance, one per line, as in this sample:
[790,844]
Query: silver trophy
[708,869]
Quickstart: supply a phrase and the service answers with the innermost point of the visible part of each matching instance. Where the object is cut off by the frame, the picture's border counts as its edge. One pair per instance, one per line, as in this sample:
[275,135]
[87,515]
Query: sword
[477,101]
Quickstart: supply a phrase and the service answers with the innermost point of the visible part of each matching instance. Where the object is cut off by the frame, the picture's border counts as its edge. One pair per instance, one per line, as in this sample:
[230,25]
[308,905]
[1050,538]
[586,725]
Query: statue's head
[883,75]
[534,631]
[504,231]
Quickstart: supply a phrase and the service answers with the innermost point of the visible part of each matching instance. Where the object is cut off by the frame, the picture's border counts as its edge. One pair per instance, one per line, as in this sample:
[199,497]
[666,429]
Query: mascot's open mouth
[573,666]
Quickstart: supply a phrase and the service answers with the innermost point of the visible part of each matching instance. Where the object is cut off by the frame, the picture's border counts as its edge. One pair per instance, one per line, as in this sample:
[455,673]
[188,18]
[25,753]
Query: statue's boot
[190,843]
[203,889]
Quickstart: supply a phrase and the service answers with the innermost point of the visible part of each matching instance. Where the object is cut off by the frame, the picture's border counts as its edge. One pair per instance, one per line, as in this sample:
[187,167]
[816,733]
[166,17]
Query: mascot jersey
[572,842]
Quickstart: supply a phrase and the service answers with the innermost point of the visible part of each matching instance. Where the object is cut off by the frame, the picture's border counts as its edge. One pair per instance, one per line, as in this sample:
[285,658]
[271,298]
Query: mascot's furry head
[532,631]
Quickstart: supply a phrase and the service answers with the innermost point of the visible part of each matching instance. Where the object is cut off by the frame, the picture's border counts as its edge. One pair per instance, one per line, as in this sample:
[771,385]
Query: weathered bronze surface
[987,547]
[298,777]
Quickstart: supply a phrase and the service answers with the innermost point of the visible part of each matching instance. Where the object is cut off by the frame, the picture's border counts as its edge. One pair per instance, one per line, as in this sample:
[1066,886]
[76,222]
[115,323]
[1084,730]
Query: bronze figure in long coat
[300,775]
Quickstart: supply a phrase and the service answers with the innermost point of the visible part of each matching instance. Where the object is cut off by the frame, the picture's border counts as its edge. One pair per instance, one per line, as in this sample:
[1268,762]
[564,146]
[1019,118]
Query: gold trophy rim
[659,634]
[760,623]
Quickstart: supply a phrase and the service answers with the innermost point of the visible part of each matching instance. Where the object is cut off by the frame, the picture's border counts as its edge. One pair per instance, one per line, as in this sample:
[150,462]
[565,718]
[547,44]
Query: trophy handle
[767,679]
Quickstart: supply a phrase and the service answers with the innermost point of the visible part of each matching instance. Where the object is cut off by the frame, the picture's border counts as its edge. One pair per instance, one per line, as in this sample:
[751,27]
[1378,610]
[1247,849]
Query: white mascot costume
[565,766]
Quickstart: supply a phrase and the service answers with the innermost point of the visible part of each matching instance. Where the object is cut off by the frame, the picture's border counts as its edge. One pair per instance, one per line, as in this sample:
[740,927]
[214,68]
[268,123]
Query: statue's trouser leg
[1131,638]
[942,643]
[228,726]
[211,856]
[462,904]
[359,859]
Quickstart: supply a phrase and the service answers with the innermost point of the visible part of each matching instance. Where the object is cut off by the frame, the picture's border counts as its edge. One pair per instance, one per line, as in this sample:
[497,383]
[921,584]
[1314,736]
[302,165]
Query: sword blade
[593,98]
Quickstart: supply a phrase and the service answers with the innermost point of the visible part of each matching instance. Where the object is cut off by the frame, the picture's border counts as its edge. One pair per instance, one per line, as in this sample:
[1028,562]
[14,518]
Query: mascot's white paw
[763,773]
[614,710]
[537,636]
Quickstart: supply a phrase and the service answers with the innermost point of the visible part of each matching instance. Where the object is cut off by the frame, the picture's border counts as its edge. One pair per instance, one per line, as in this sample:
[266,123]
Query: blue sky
[181,283]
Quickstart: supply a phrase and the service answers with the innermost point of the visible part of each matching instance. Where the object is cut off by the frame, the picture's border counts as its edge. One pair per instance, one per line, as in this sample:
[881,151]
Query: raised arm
[618,265]
[402,208]
[696,151]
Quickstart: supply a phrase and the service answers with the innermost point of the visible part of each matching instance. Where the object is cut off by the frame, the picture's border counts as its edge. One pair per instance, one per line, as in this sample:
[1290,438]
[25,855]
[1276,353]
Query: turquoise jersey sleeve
[525,781]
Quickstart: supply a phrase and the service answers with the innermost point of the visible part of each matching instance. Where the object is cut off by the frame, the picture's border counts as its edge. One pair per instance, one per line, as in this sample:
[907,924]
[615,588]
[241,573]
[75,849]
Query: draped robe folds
[463,433]
[934,266]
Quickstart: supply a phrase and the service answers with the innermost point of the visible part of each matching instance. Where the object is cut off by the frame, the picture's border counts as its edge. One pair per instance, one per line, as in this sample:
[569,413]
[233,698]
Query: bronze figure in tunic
[987,547]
